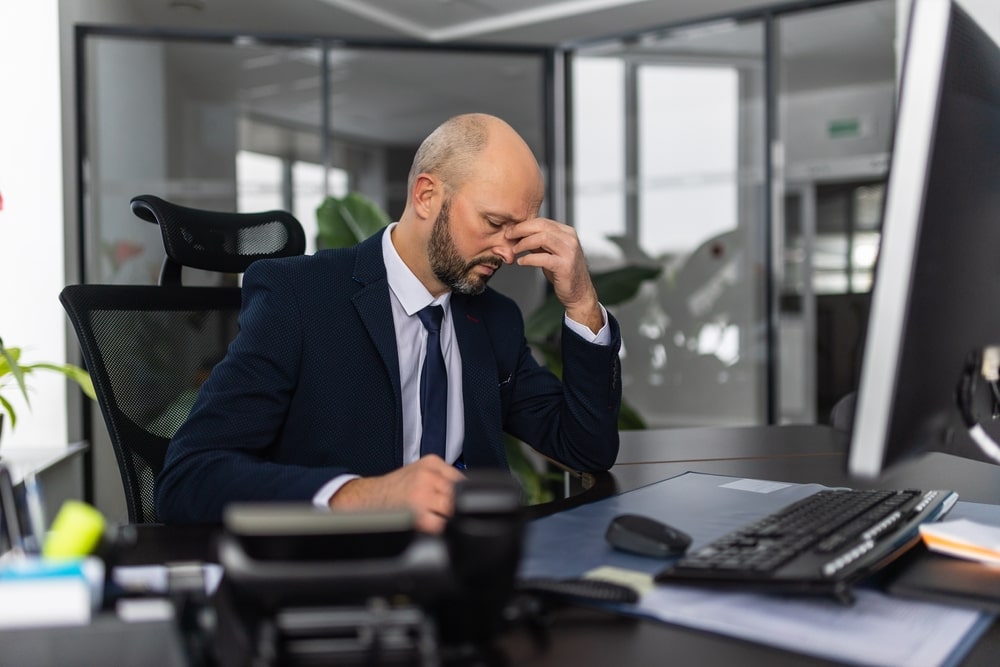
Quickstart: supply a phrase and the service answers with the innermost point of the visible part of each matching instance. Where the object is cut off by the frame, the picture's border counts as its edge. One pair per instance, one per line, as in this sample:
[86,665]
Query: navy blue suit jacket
[310,389]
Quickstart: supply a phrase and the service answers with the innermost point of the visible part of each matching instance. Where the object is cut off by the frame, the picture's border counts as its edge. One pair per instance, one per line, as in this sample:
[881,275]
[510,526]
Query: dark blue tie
[433,386]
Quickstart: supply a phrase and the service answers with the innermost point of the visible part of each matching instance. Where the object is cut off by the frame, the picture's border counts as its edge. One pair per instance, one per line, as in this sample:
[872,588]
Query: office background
[652,121]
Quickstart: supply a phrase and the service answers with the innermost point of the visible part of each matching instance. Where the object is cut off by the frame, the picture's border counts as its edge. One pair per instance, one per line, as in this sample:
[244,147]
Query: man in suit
[319,396]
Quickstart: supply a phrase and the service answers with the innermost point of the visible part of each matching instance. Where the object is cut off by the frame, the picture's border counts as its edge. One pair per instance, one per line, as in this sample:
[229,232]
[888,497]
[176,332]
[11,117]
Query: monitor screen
[936,298]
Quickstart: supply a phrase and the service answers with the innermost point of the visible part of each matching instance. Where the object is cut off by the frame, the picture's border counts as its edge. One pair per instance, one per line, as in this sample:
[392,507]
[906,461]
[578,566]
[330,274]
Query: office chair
[842,413]
[149,347]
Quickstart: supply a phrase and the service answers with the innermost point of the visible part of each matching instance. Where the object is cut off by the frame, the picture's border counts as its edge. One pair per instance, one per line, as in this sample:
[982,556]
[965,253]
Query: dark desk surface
[787,453]
[799,454]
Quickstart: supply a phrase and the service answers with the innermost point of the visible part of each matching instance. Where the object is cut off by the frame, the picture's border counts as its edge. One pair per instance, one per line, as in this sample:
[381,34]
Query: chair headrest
[220,241]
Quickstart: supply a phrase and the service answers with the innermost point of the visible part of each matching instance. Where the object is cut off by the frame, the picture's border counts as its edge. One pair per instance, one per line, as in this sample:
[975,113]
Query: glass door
[668,167]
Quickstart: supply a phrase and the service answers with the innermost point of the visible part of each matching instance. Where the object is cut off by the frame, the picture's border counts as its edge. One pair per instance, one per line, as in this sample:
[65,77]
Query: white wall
[813,155]
[38,236]
[32,267]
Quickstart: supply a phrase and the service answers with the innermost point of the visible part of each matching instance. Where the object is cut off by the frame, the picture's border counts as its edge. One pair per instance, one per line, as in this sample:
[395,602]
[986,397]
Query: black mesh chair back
[215,240]
[149,347]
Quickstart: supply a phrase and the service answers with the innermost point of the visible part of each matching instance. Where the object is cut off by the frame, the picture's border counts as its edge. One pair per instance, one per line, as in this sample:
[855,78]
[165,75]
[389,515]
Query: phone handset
[484,539]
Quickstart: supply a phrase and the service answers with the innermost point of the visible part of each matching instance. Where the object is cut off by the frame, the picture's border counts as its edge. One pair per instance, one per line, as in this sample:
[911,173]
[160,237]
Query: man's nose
[504,249]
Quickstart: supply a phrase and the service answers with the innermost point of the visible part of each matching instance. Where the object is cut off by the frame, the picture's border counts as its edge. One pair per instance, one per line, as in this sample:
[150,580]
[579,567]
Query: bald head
[472,179]
[451,151]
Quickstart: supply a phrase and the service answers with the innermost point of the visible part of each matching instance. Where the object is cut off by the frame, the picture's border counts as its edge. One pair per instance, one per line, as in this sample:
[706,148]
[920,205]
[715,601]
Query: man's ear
[425,195]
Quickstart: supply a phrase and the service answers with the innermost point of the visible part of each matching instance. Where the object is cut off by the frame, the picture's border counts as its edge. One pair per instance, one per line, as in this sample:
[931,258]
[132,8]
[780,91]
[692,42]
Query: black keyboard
[821,545]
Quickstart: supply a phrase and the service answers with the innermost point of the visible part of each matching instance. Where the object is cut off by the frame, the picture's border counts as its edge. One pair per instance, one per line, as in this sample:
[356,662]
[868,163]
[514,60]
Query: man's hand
[555,248]
[427,487]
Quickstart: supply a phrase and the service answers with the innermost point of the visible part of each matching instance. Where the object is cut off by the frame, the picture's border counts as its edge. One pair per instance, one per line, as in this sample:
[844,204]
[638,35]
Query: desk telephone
[302,584]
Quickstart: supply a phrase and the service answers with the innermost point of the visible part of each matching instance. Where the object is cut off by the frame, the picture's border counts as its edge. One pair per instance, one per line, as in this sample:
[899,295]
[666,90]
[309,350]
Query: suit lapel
[483,443]
[483,437]
[374,308]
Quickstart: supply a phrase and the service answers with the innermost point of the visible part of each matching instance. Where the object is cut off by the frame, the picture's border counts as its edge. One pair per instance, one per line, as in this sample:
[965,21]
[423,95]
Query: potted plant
[345,221]
[14,374]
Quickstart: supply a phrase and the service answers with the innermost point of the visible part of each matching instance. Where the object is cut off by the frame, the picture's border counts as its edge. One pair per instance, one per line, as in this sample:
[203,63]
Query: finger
[443,505]
[537,227]
[429,522]
[527,239]
[541,260]
[439,500]
[524,228]
[435,463]
[557,245]
[452,474]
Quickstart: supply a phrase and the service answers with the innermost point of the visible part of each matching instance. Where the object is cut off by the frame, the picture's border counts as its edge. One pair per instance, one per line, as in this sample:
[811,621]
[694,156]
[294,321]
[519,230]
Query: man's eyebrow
[501,217]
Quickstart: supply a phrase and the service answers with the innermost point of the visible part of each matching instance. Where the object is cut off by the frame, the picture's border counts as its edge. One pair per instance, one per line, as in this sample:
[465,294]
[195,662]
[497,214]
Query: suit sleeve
[219,454]
[574,421]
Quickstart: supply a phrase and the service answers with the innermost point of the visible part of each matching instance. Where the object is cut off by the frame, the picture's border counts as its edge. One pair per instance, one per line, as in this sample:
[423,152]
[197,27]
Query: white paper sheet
[882,631]
[965,539]
[876,631]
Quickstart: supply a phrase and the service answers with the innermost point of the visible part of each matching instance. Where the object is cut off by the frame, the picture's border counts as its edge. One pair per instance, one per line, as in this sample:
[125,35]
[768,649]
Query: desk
[587,637]
[785,453]
[797,454]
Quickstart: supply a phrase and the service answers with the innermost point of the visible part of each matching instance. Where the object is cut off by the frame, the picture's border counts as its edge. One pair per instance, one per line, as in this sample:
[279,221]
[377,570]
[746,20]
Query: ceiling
[536,22]
[397,96]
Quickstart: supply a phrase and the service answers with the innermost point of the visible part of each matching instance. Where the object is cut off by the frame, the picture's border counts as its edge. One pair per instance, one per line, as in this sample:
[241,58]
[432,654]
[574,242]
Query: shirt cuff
[602,337]
[329,490]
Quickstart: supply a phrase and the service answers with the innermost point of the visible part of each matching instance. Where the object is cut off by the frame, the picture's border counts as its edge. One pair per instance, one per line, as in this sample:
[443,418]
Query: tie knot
[431,316]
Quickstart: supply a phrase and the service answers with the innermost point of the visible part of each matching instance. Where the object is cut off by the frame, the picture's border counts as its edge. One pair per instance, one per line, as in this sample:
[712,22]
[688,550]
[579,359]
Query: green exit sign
[844,128]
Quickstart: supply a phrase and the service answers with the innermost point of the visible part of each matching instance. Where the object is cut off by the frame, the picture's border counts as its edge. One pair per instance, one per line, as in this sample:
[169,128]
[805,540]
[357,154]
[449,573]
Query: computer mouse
[645,536]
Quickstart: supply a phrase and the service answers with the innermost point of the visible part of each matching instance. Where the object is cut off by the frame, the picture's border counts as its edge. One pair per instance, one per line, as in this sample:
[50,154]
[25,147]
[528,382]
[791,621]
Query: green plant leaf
[345,221]
[533,482]
[613,287]
[10,366]
[629,419]
[9,409]
[546,321]
[75,373]
[10,356]
[619,285]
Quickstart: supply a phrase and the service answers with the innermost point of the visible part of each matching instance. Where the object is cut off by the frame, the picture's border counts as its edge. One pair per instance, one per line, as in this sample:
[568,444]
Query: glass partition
[836,91]
[245,123]
[181,120]
[241,124]
[668,165]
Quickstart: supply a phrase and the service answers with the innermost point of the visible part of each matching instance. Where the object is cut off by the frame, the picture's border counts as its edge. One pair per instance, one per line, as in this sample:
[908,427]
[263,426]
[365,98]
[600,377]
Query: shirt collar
[412,294]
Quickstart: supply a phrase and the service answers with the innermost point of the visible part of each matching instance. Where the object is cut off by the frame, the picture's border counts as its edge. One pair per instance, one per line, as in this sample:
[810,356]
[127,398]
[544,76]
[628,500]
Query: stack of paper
[37,592]
[964,539]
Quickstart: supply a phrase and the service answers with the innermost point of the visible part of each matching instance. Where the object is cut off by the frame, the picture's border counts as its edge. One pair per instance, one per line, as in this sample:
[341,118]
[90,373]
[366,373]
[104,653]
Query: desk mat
[704,506]
[878,630]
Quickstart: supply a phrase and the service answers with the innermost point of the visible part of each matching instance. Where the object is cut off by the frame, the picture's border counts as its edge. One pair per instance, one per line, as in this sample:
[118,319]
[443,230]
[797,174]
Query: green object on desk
[76,531]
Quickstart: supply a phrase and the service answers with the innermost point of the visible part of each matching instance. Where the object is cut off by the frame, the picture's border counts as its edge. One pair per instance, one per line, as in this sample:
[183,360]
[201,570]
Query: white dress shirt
[408,296]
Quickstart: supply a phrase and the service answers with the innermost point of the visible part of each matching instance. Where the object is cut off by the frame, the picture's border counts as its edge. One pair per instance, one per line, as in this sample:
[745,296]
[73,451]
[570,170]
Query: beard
[447,263]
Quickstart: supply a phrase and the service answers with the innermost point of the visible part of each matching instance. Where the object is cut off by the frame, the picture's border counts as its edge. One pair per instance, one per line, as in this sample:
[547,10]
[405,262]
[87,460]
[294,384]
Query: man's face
[458,274]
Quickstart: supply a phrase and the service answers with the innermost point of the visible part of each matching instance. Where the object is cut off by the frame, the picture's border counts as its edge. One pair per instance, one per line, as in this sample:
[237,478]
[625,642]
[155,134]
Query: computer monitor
[936,297]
